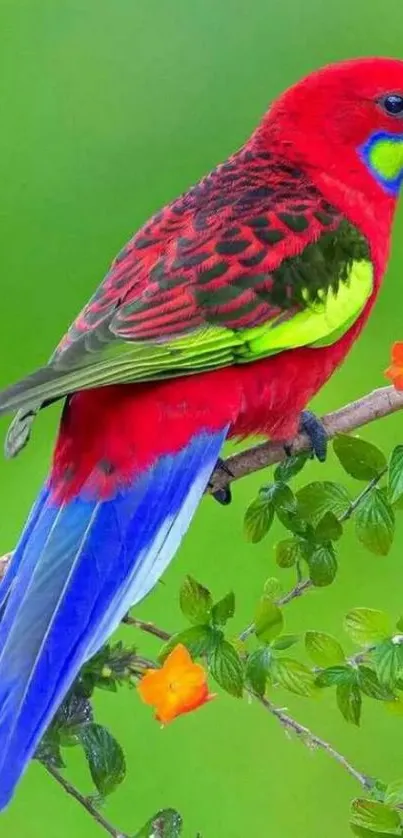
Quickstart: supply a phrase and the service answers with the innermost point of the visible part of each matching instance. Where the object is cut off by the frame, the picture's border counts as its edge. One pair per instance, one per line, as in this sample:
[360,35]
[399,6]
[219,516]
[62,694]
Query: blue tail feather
[77,570]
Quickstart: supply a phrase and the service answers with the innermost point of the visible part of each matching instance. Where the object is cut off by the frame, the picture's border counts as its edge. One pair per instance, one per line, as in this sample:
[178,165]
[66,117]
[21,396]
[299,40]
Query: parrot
[220,319]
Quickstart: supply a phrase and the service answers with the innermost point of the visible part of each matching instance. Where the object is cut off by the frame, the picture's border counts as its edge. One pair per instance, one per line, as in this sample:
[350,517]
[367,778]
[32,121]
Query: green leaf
[329,528]
[199,640]
[323,649]
[48,751]
[394,793]
[288,552]
[335,675]
[283,498]
[257,669]
[195,601]
[289,467]
[105,757]
[367,625]
[268,621]
[375,522]
[165,824]
[318,498]
[395,477]
[359,458]
[259,517]
[371,814]
[294,677]
[272,588]
[362,832]
[226,667]
[349,701]
[322,565]
[388,661]
[223,610]
[285,641]
[293,521]
[370,684]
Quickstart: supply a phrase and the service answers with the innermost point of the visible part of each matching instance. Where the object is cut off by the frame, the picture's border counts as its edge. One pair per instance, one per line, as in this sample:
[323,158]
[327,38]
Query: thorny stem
[312,740]
[85,802]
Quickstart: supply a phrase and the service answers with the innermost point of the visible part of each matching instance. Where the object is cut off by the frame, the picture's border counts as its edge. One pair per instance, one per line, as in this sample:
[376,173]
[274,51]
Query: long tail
[76,571]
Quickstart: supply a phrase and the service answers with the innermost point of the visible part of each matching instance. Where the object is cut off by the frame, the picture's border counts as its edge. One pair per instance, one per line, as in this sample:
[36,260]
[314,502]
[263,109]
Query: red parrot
[221,318]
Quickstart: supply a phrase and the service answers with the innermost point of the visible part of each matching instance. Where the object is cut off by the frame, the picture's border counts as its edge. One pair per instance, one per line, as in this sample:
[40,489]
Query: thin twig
[313,741]
[374,406]
[356,502]
[149,628]
[85,802]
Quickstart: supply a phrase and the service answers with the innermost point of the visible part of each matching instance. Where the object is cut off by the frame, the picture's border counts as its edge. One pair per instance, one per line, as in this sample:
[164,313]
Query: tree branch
[312,741]
[374,406]
[85,802]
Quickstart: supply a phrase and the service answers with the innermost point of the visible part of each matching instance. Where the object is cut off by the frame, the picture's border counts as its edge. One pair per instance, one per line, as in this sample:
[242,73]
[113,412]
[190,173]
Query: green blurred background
[108,110]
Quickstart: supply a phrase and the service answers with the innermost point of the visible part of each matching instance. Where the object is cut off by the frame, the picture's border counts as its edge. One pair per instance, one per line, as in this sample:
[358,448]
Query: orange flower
[395,371]
[178,687]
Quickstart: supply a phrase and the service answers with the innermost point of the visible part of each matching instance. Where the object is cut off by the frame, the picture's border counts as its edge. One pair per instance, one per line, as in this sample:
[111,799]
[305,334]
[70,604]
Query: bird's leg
[223,496]
[315,431]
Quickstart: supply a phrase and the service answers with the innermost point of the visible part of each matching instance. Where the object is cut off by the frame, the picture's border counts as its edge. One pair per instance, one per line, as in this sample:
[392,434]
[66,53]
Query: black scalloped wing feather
[236,250]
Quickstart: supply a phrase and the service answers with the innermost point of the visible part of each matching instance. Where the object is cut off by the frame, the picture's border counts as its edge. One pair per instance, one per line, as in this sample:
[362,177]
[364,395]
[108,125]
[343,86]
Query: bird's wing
[249,262]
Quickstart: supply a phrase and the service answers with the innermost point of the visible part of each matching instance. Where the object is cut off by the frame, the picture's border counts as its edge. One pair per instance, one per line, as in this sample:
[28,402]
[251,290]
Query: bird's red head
[347,120]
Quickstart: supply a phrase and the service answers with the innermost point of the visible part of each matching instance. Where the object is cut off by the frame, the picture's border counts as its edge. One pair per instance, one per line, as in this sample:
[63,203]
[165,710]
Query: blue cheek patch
[382,154]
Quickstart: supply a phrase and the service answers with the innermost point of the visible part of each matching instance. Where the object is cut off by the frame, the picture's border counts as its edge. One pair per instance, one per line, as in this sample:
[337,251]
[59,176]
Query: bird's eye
[393,104]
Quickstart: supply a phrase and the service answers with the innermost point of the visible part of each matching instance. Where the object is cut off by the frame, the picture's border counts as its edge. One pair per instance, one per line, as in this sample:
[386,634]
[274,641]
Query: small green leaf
[287,552]
[165,824]
[289,467]
[367,625]
[318,498]
[370,684]
[195,601]
[272,588]
[322,565]
[323,649]
[395,477]
[223,610]
[394,793]
[399,624]
[268,621]
[349,701]
[105,757]
[359,458]
[375,522]
[329,528]
[335,675]
[293,521]
[226,667]
[283,498]
[48,751]
[285,641]
[371,814]
[258,518]
[293,676]
[388,661]
[199,640]
[257,669]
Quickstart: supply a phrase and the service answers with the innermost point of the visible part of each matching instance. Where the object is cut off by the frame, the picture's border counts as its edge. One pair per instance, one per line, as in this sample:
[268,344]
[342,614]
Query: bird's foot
[222,496]
[315,431]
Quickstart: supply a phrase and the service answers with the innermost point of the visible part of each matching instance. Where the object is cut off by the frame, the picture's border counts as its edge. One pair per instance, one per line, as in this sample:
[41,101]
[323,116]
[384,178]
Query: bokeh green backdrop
[109,109]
